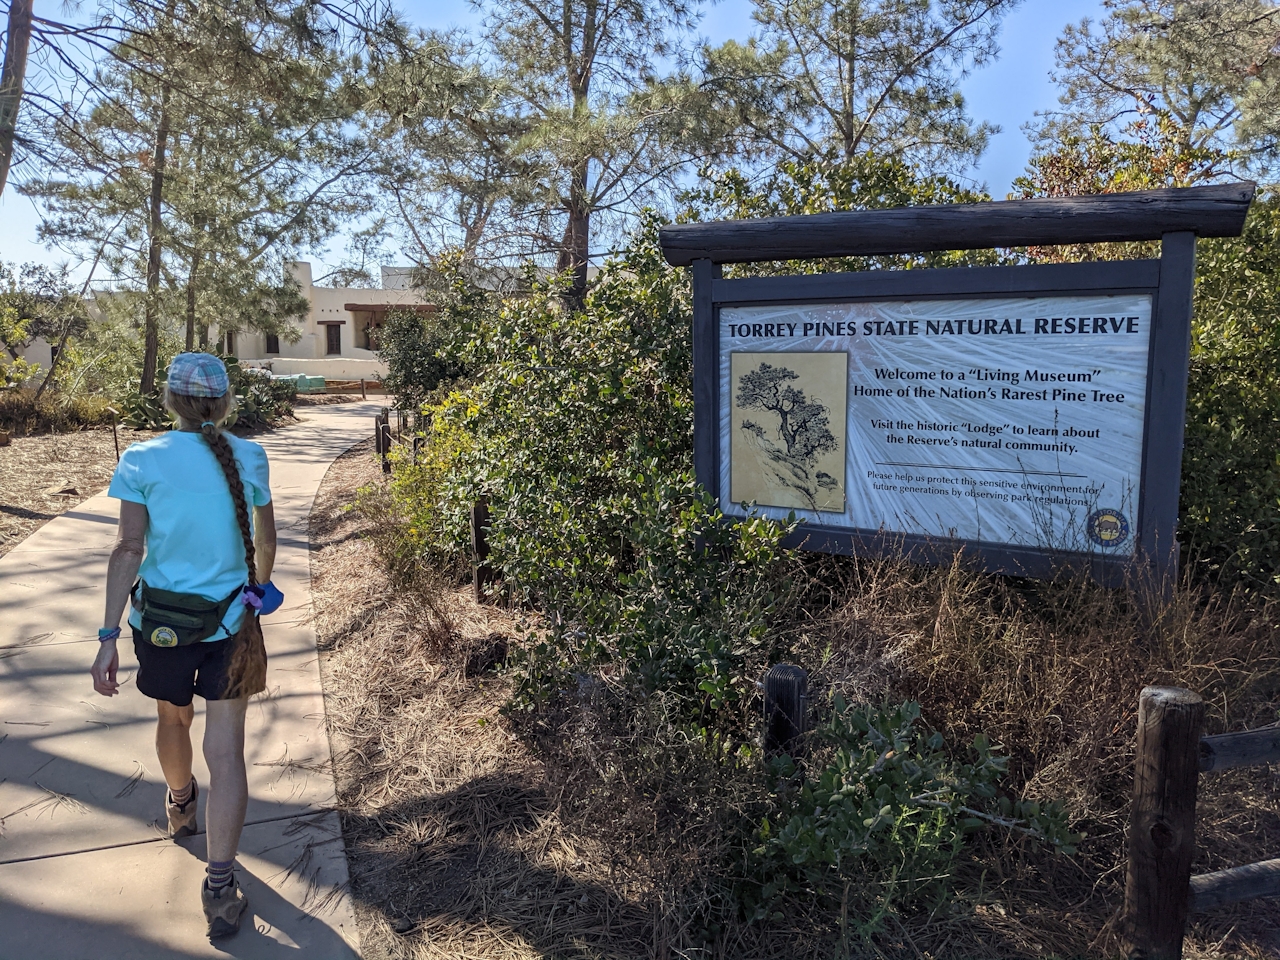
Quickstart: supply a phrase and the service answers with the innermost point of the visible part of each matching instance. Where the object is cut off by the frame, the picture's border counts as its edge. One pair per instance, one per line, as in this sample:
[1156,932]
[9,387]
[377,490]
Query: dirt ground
[44,476]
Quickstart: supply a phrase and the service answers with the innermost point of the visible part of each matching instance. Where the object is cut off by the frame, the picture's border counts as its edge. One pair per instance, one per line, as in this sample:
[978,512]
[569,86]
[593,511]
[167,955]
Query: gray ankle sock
[220,873]
[182,797]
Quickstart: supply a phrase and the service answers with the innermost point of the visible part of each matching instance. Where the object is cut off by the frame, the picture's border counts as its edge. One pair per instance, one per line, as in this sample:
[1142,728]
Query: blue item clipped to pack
[272,598]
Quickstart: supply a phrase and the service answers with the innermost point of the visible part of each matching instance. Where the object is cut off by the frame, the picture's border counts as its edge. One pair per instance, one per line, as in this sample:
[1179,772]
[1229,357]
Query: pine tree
[210,151]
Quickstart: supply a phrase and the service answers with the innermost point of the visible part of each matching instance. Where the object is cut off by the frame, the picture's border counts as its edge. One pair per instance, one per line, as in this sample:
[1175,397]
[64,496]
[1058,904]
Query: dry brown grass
[44,476]
[594,833]
[1052,672]
[22,415]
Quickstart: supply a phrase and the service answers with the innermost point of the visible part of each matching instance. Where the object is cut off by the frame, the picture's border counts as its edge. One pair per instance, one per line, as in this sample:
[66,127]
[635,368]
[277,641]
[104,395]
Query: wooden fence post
[385,433]
[1162,822]
[377,434]
[786,709]
[480,572]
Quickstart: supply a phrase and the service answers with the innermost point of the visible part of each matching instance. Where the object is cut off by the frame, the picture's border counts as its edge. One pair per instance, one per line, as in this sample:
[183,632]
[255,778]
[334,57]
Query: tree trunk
[196,257]
[12,77]
[155,226]
[57,355]
[849,94]
[577,233]
[191,301]
[579,66]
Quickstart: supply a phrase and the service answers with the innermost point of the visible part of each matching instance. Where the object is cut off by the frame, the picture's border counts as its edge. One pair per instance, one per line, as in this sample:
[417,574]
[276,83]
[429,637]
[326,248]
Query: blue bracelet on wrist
[105,634]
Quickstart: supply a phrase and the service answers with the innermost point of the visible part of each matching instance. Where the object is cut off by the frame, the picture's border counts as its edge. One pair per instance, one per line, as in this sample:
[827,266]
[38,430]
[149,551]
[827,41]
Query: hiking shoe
[182,819]
[223,909]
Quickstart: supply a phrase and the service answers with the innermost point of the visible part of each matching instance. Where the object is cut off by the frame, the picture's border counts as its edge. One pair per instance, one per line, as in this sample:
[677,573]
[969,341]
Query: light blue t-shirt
[193,541]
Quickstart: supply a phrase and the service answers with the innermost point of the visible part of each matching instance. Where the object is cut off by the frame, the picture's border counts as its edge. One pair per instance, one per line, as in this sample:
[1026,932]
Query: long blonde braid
[247,672]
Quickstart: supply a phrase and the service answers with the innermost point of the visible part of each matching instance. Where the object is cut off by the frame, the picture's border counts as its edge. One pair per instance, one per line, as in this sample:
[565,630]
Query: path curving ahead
[85,873]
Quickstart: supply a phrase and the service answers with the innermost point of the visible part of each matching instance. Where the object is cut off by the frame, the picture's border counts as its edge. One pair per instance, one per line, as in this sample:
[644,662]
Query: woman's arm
[264,540]
[122,570]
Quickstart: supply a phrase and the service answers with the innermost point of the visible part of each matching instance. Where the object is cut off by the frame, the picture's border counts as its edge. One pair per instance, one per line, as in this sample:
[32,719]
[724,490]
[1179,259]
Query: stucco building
[339,331]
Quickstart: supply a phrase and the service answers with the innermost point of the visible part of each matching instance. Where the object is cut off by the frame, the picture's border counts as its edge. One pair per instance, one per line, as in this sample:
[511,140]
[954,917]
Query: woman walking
[202,567]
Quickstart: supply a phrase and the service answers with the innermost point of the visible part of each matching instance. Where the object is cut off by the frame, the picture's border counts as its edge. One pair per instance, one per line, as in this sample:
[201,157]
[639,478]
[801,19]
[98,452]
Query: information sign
[1030,416]
[1006,421]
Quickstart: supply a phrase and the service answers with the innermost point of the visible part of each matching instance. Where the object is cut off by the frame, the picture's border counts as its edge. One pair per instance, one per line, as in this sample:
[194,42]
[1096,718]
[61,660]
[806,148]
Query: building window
[333,338]
[231,342]
[273,343]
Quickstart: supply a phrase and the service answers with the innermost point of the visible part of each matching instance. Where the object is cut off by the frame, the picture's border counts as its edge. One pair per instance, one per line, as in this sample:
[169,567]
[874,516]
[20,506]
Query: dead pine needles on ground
[46,475]
[587,833]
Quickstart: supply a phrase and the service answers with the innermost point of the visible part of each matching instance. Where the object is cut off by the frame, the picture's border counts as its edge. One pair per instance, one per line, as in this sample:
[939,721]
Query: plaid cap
[198,375]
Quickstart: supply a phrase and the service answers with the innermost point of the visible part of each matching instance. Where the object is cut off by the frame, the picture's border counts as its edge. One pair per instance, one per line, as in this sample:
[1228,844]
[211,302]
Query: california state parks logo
[164,637]
[1107,527]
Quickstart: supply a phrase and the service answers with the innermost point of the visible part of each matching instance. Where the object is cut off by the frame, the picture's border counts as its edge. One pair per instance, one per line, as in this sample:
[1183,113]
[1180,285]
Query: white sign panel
[1006,421]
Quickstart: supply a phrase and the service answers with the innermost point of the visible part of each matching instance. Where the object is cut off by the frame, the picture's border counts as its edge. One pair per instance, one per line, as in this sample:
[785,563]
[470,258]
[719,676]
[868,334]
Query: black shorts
[176,673]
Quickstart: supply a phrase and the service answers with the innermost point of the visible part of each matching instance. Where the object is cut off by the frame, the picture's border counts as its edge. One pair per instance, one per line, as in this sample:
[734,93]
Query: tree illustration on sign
[802,433]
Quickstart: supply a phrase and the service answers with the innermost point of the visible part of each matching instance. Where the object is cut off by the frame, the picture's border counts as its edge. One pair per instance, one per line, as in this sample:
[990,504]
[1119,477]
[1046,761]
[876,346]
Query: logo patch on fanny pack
[164,637]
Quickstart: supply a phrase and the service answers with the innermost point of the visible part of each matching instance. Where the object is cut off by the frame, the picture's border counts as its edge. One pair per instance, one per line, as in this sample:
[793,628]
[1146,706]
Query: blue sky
[1007,93]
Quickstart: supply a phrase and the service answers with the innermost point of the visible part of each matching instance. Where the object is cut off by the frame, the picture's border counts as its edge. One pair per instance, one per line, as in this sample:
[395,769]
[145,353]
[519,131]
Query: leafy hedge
[576,427]
[1231,459]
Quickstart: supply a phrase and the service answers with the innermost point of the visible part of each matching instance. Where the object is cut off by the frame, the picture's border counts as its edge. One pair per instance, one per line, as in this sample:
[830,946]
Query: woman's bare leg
[228,786]
[173,743]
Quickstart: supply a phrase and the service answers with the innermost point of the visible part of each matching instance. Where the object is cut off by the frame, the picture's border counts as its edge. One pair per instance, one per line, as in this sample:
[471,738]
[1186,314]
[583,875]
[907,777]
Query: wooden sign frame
[1176,217]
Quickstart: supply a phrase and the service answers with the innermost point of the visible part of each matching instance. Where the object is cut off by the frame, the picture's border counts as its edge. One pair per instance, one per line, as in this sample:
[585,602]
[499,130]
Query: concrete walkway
[85,871]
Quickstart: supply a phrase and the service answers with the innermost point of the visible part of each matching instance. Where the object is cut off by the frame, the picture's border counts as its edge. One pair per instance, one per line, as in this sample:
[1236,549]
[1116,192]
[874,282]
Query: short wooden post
[115,432]
[480,572]
[386,446]
[786,709]
[363,395]
[1162,822]
[377,434]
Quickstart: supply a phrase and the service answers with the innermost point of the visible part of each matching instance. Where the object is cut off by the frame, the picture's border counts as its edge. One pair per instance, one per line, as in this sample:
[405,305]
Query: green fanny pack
[177,619]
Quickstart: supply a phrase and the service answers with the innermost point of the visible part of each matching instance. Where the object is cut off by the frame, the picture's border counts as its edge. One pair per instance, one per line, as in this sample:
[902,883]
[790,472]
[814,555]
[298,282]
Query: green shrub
[415,350]
[424,513]
[691,617]
[260,401]
[564,412]
[1230,512]
[144,411]
[889,812]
